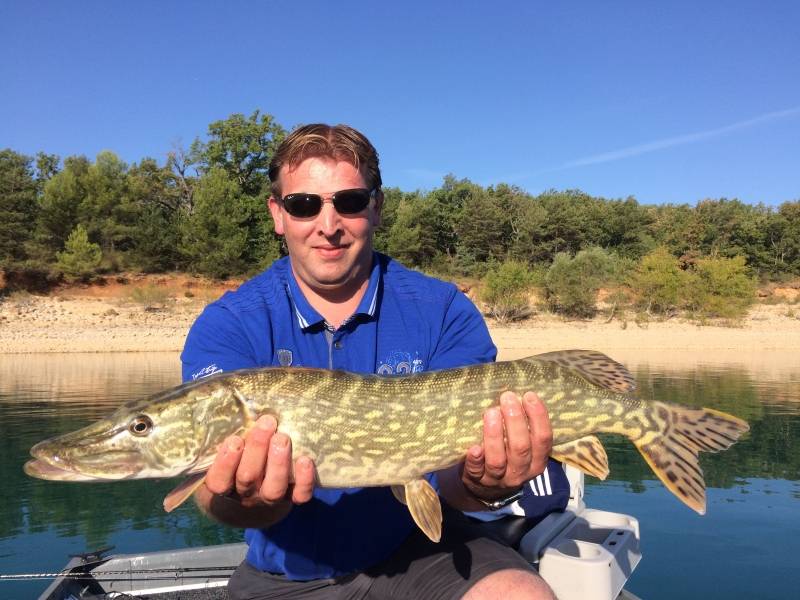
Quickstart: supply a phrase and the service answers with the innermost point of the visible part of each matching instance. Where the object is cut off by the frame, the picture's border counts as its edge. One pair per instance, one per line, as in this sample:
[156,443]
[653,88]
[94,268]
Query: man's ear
[277,214]
[376,210]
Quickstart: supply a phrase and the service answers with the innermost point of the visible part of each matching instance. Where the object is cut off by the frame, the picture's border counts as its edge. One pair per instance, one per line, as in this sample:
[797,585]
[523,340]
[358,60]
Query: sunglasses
[346,202]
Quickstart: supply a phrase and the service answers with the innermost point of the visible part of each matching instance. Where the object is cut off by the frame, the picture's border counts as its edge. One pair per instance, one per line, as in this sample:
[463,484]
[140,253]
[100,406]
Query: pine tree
[80,257]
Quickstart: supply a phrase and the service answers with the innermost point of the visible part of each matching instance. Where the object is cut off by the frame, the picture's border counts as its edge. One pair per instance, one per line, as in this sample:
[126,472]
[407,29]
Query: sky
[667,102]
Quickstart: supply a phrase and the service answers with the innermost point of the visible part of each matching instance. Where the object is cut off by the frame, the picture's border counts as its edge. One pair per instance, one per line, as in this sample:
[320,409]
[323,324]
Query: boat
[582,553]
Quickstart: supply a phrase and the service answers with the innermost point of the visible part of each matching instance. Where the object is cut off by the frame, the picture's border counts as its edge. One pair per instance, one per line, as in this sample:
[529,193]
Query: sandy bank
[112,322]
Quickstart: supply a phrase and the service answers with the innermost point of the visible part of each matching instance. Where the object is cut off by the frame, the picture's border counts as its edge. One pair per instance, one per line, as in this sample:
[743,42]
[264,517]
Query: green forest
[203,211]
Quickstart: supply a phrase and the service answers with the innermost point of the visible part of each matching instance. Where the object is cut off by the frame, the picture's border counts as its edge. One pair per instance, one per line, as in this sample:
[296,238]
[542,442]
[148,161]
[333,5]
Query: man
[335,303]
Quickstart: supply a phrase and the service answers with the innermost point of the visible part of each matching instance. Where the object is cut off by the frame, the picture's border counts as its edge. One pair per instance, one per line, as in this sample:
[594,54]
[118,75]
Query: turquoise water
[746,546]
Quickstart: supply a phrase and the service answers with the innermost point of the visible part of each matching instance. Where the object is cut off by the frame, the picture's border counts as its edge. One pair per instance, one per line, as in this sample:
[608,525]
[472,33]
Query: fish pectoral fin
[586,454]
[425,507]
[595,367]
[181,493]
[399,492]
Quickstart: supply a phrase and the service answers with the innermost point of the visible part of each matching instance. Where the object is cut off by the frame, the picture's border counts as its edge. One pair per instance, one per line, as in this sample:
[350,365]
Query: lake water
[745,547]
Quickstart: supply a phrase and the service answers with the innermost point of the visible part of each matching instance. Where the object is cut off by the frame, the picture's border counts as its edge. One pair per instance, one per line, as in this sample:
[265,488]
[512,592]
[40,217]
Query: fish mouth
[55,462]
[41,469]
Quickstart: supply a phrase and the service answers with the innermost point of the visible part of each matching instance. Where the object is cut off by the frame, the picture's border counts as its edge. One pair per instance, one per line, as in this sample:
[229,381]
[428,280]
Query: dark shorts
[419,569]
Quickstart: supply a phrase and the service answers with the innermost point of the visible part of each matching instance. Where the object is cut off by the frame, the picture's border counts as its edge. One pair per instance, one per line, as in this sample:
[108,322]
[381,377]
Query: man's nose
[329,219]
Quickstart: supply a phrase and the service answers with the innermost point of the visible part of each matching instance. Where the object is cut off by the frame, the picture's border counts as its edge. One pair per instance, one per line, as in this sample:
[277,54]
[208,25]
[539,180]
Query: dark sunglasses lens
[302,205]
[350,202]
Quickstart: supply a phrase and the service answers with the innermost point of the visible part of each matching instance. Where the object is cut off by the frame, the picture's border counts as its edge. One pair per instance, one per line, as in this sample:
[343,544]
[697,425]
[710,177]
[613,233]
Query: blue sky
[663,101]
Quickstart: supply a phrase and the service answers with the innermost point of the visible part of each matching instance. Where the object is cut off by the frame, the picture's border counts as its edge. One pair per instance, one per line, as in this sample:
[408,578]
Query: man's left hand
[517,441]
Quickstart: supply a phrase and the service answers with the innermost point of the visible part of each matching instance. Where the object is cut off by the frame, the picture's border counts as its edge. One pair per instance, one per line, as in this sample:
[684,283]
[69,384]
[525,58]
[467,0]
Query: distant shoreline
[108,320]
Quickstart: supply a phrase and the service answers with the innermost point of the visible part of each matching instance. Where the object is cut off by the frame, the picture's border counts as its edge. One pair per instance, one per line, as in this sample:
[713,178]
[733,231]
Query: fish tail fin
[672,436]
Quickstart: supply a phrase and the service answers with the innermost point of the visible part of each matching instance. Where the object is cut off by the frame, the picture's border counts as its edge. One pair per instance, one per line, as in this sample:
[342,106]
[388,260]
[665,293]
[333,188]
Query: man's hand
[517,440]
[258,469]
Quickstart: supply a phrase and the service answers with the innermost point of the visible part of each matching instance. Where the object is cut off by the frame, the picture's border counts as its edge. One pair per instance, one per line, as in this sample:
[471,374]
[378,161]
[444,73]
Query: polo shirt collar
[307,316]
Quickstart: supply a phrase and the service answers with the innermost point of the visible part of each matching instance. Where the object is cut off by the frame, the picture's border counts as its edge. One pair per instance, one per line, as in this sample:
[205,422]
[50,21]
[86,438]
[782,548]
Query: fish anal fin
[425,507]
[681,475]
[586,454]
[595,367]
[181,493]
[399,492]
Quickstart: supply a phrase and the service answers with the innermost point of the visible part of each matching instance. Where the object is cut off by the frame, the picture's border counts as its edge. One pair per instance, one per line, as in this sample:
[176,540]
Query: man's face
[329,252]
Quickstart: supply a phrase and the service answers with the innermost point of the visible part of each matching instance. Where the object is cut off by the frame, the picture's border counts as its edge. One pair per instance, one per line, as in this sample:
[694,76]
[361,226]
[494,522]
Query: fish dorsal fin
[586,454]
[424,505]
[594,367]
[181,493]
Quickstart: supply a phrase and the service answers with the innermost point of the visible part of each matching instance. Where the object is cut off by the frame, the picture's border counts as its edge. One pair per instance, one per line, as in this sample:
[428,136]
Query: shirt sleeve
[464,338]
[216,342]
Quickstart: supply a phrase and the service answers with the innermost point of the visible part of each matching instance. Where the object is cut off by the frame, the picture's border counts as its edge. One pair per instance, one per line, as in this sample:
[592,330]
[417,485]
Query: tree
[58,209]
[242,147]
[660,282]
[721,287]
[483,228]
[412,237]
[157,203]
[731,228]
[106,210]
[46,167]
[783,238]
[623,225]
[674,227]
[448,202]
[529,226]
[570,223]
[572,283]
[80,257]
[505,291]
[18,207]
[214,238]
[391,202]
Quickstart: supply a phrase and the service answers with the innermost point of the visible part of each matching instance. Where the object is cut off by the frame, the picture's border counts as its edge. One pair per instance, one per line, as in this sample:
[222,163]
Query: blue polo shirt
[406,322]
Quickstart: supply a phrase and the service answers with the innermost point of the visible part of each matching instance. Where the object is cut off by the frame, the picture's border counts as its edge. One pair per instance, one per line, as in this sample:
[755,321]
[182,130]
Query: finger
[279,468]
[304,480]
[254,458]
[541,432]
[518,438]
[222,472]
[494,447]
[474,463]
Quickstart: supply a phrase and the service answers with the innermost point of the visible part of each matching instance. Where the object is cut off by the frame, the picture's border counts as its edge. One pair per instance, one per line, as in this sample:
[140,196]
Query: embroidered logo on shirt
[206,371]
[285,357]
[401,363]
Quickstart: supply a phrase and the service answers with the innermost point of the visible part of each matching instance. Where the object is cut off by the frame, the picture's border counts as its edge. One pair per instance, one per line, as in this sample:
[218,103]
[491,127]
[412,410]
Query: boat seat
[509,530]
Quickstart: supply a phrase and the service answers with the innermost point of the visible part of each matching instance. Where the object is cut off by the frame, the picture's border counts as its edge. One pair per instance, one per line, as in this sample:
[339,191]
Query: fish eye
[141,425]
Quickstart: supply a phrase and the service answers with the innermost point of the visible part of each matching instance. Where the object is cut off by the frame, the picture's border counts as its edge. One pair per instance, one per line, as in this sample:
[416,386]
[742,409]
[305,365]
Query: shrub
[721,287]
[505,291]
[572,283]
[151,297]
[80,258]
[659,282]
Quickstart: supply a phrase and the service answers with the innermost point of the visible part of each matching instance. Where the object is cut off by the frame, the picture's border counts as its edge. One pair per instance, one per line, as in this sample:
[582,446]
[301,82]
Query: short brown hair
[341,142]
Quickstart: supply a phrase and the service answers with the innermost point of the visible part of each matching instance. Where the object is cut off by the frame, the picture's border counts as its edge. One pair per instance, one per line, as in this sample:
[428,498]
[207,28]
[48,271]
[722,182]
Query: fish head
[172,433]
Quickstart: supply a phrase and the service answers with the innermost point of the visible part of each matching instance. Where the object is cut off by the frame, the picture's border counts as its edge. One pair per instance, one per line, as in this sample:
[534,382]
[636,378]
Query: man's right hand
[258,469]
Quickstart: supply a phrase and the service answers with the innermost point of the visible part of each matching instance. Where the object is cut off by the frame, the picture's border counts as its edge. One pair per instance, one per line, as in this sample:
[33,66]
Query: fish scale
[369,430]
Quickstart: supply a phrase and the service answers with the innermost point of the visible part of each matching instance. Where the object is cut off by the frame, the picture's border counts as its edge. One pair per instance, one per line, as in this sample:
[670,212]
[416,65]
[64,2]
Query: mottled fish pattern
[368,430]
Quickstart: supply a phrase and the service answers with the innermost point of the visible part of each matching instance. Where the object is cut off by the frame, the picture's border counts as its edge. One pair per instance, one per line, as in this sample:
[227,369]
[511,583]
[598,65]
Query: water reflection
[753,487]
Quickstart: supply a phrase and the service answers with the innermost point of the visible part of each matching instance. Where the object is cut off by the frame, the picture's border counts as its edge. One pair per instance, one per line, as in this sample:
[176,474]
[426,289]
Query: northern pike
[369,430]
